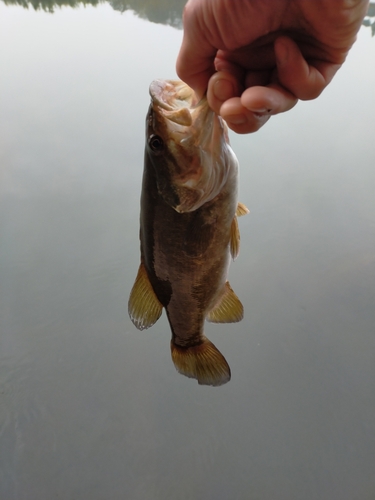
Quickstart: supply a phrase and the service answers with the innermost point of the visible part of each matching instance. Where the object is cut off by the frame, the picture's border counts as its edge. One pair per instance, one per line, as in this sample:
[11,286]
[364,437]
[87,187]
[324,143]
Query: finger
[221,87]
[224,85]
[255,78]
[193,70]
[272,99]
[245,78]
[255,106]
[195,61]
[306,80]
[241,120]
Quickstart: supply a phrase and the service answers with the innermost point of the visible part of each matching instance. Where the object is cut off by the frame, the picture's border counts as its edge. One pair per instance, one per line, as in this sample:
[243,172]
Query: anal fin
[228,309]
[203,362]
[143,306]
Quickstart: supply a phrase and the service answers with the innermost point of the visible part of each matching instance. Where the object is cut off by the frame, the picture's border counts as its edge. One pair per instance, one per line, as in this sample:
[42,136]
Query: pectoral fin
[235,231]
[234,238]
[242,210]
[144,307]
[228,309]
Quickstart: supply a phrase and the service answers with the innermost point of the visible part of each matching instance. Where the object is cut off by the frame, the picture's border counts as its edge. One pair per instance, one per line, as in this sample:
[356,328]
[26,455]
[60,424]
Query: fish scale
[188,229]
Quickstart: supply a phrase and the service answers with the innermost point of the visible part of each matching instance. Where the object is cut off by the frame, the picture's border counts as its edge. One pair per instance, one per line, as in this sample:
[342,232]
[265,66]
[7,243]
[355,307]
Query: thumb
[195,61]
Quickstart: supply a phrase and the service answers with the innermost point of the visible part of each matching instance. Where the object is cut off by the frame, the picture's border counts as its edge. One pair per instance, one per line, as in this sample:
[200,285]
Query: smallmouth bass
[188,229]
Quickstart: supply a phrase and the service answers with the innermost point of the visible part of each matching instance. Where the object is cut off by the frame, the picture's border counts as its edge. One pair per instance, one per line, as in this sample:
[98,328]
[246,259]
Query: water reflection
[92,408]
[369,21]
[157,11]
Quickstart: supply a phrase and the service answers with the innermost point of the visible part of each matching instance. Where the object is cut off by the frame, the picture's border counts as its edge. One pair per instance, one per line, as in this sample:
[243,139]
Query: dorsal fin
[228,309]
[234,238]
[241,210]
[143,306]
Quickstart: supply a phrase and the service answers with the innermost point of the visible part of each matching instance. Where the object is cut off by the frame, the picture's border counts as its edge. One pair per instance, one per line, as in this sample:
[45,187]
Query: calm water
[91,408]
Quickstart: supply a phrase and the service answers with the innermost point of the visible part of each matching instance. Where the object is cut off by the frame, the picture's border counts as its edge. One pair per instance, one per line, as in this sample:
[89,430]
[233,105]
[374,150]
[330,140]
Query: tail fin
[203,362]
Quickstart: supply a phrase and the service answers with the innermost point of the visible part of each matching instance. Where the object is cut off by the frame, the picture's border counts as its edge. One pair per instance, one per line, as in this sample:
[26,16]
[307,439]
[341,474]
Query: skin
[256,58]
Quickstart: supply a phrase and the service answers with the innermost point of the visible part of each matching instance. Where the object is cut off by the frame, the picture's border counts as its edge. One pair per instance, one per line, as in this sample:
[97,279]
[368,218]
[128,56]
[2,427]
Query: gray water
[91,408]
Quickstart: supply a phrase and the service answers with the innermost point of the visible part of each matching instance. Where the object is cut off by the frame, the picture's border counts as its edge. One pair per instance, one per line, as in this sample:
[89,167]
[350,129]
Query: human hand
[256,58]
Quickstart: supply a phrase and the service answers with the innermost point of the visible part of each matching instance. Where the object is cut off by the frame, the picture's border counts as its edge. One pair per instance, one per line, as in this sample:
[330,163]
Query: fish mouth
[180,114]
[176,101]
[197,140]
[172,95]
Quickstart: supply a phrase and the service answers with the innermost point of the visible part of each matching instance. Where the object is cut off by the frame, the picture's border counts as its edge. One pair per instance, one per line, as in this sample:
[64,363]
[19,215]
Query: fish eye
[156,143]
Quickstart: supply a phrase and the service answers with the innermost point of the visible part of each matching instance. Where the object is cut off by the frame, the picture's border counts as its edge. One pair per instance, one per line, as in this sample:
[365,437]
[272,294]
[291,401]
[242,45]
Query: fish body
[188,229]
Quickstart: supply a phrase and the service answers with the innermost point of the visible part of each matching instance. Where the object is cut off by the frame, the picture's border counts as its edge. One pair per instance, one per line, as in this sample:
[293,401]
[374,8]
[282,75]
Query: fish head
[188,146]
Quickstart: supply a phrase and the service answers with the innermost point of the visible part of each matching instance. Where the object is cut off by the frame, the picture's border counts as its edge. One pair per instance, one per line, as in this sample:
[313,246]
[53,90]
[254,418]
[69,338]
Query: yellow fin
[241,210]
[144,307]
[235,231]
[203,362]
[234,238]
[228,309]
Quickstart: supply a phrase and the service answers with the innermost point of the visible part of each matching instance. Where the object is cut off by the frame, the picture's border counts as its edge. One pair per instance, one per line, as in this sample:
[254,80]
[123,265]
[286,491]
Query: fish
[188,229]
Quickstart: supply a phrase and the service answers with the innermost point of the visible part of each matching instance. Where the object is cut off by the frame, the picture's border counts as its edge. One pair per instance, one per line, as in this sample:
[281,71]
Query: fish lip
[176,102]
[156,89]
[172,95]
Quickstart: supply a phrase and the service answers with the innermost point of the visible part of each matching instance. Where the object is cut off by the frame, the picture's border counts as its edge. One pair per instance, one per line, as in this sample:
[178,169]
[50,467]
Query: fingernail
[236,119]
[260,110]
[223,90]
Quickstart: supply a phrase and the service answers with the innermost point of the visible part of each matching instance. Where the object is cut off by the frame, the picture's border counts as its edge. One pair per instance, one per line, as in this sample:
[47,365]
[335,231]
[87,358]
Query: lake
[93,409]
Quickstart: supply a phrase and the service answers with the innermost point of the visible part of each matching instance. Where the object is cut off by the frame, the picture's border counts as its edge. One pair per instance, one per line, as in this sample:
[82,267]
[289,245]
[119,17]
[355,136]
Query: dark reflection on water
[370,18]
[157,11]
[92,408]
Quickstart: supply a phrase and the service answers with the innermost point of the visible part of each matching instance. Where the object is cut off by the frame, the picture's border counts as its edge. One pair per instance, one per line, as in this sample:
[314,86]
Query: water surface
[91,408]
